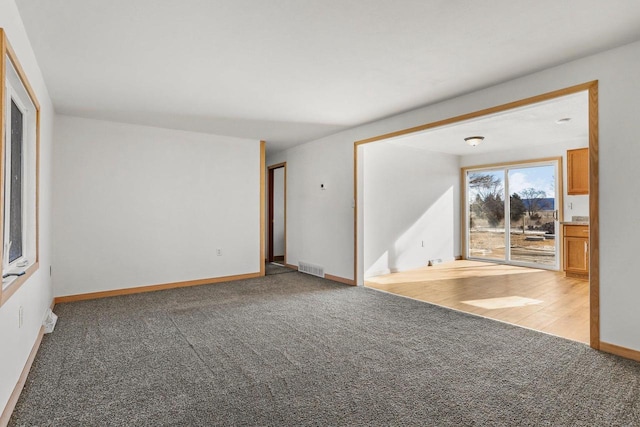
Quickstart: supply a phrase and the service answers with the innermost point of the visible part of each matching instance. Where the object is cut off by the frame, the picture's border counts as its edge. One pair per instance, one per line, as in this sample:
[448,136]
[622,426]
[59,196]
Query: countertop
[577,220]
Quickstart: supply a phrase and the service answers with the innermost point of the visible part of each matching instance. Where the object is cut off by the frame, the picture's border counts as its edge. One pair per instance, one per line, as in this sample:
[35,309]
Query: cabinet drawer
[576,231]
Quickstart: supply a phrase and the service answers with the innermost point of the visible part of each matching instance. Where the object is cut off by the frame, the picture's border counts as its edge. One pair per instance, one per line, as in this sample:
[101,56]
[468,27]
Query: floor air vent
[314,270]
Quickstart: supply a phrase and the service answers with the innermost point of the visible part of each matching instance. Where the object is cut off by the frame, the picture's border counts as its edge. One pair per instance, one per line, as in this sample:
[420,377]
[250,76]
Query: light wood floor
[538,299]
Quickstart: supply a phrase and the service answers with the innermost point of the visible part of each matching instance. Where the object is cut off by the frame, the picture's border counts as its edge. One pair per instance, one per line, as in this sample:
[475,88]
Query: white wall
[320,224]
[411,201]
[322,219]
[278,212]
[411,207]
[573,205]
[36,295]
[137,206]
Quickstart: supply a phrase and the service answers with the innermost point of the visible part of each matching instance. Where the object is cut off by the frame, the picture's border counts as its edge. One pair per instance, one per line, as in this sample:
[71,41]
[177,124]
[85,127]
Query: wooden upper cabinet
[578,171]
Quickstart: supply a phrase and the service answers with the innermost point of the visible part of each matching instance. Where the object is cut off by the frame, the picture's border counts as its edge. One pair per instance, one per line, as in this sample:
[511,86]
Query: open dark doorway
[276,245]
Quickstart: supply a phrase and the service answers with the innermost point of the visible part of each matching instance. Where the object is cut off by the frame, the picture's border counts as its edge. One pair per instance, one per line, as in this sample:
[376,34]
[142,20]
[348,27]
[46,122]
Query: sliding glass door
[486,235]
[512,214]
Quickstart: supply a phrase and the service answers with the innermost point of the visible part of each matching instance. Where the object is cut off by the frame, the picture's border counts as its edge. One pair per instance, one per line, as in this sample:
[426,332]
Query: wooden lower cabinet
[576,250]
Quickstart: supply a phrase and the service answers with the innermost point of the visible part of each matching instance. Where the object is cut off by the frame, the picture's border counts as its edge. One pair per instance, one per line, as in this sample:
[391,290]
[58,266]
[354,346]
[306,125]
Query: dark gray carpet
[291,350]
[270,269]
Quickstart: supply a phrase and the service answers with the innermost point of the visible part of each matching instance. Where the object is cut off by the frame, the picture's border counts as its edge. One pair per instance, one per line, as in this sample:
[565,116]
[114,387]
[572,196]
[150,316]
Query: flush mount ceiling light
[563,120]
[474,140]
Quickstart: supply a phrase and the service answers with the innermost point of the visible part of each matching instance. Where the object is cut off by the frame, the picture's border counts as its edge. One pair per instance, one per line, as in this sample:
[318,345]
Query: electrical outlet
[219,252]
[20,316]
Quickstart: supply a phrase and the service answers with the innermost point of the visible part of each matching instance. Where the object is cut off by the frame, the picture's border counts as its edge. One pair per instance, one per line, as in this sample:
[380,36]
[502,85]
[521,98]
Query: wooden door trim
[594,217]
[263,163]
[270,217]
[271,169]
[594,237]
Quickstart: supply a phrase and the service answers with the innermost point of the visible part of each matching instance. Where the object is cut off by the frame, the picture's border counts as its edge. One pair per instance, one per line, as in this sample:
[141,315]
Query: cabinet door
[578,171]
[576,255]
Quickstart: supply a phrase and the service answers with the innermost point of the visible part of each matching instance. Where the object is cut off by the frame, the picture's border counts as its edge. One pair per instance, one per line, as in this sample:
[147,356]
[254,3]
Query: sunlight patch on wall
[380,267]
[434,231]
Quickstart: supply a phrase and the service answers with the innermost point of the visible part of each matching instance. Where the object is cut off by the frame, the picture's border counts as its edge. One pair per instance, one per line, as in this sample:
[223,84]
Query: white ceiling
[528,126]
[289,71]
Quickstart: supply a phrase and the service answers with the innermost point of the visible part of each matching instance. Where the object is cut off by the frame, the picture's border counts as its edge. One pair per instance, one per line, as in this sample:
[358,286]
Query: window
[19,176]
[13,232]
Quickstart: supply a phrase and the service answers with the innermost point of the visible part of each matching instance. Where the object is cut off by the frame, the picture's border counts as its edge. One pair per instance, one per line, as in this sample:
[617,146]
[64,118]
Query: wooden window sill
[15,285]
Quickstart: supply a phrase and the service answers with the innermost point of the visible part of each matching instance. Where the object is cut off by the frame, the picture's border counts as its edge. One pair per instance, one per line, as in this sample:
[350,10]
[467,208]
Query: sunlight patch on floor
[456,269]
[503,302]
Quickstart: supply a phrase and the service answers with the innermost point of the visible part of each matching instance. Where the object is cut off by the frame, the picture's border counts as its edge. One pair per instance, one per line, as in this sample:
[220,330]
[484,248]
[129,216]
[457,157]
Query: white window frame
[556,162]
[22,260]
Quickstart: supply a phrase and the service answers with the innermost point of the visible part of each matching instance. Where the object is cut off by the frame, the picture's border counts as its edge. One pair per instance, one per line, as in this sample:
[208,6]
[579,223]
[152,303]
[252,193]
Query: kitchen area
[575,242]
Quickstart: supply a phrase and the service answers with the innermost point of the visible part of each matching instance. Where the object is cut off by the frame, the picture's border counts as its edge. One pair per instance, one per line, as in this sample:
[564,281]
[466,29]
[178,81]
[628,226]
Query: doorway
[587,90]
[277,216]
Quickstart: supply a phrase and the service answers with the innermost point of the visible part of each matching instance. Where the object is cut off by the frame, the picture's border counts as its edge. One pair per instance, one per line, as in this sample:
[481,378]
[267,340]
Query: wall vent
[314,270]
